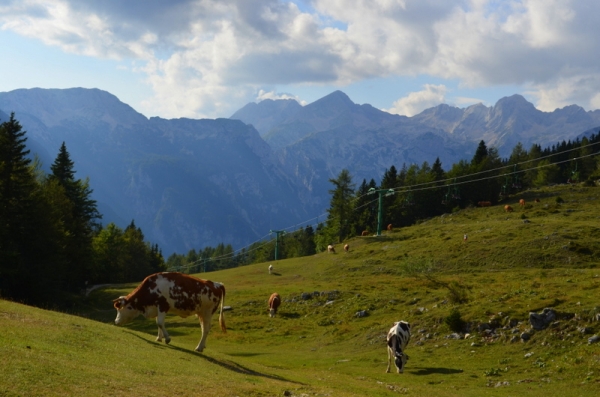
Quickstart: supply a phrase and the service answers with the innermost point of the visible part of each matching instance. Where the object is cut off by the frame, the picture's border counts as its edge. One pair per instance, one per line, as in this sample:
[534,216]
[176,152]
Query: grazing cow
[176,293]
[346,247]
[522,203]
[274,302]
[270,269]
[390,227]
[364,233]
[508,208]
[331,249]
[537,200]
[485,203]
[397,339]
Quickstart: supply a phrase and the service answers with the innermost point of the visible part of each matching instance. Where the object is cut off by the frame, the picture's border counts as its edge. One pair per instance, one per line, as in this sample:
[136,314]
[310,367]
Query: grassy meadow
[542,255]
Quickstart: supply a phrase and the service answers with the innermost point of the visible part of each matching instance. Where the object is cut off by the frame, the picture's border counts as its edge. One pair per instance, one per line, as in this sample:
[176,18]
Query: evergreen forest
[53,245]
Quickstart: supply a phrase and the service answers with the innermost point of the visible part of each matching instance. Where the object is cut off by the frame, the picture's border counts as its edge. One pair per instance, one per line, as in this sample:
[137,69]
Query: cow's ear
[119,302]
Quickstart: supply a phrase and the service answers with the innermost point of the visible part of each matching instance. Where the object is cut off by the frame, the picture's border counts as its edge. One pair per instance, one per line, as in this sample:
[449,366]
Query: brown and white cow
[522,202]
[175,293]
[346,247]
[397,339]
[390,227]
[331,249]
[274,302]
[508,208]
[364,233]
[485,203]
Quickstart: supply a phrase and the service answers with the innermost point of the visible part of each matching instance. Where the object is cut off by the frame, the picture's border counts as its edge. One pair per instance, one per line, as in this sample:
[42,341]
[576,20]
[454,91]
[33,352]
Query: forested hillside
[412,194]
[51,241]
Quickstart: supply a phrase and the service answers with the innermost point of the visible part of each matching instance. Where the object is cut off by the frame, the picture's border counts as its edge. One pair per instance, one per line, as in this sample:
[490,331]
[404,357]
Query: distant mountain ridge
[194,183]
[187,183]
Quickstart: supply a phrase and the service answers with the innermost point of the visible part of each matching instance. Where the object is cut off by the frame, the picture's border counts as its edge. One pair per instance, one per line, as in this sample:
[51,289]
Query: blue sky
[190,58]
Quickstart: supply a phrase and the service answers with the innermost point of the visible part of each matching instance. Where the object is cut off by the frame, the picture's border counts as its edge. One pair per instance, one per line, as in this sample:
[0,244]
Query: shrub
[457,293]
[454,321]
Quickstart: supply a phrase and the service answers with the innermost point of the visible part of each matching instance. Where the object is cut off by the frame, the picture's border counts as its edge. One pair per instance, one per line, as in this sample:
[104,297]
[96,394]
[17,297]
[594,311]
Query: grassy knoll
[543,255]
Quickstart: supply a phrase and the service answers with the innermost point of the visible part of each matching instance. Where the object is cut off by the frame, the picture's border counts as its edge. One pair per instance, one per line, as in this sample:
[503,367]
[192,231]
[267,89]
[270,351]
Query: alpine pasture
[468,303]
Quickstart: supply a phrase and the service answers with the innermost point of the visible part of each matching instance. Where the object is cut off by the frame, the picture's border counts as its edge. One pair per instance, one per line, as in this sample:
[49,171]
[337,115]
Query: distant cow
[390,227]
[484,203]
[508,208]
[346,247]
[274,302]
[522,203]
[175,293]
[537,200]
[364,233]
[270,269]
[331,249]
[397,339]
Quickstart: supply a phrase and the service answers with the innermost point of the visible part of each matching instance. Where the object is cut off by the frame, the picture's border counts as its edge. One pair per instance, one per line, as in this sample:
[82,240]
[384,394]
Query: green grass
[315,348]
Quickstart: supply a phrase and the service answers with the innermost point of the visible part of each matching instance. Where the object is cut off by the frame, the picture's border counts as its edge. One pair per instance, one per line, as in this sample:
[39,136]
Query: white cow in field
[397,339]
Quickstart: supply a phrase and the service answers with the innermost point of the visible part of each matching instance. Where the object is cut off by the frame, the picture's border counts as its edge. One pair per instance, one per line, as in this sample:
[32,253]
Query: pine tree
[28,235]
[80,220]
[340,212]
[16,189]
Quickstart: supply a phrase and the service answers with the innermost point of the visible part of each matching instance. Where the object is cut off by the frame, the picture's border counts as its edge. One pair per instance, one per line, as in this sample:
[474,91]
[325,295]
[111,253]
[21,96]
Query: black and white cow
[397,339]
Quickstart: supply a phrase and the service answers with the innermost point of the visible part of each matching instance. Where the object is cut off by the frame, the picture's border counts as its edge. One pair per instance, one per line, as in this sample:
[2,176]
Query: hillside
[542,255]
[172,177]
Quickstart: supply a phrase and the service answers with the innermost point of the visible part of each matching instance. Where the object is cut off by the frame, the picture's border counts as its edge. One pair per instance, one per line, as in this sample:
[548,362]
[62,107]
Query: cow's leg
[162,331]
[389,360]
[205,325]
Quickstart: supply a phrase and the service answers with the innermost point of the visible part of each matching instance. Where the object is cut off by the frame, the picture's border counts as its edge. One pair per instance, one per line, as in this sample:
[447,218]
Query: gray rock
[540,321]
[483,326]
[594,339]
[525,336]
[361,313]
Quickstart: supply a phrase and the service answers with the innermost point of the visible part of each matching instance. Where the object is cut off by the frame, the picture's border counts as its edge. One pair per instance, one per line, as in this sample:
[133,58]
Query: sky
[209,58]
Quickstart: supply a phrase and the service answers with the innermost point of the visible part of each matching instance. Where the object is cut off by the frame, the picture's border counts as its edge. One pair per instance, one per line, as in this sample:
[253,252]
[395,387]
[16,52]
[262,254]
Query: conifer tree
[80,220]
[340,212]
[28,236]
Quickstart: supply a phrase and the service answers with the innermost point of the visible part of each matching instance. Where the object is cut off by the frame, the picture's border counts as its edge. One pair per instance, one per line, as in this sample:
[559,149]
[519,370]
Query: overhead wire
[412,188]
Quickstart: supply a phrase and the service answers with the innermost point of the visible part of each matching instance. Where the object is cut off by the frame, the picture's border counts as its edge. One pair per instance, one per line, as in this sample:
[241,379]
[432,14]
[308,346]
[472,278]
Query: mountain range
[193,183]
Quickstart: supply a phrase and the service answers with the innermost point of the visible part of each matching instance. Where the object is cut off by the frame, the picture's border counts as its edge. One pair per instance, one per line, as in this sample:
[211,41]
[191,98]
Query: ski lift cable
[424,186]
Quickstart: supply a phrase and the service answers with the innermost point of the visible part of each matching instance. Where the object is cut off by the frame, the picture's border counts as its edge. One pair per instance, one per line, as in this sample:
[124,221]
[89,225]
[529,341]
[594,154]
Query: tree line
[419,192]
[52,243]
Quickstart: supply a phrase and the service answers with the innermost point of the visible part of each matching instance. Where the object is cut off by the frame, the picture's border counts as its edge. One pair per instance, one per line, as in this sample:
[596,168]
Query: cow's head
[125,311]
[400,360]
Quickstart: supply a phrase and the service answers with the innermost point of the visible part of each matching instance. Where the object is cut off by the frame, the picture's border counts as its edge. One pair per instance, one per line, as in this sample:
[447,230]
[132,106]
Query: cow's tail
[221,318]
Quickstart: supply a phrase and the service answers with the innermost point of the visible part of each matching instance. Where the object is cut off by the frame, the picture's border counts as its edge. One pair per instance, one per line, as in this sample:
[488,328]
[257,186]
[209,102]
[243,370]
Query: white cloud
[262,95]
[206,58]
[416,102]
[576,88]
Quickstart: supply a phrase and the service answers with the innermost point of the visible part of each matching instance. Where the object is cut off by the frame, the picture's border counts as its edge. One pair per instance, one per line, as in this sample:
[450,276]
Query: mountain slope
[187,183]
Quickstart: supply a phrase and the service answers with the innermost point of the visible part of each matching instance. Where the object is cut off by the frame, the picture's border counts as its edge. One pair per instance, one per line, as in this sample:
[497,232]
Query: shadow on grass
[288,315]
[226,364]
[431,371]
[246,354]
[275,274]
